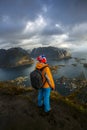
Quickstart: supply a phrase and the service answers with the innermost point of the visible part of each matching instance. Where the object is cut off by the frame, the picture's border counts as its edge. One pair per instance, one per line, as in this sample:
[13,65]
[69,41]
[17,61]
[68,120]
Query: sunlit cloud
[43,23]
[79,31]
[36,25]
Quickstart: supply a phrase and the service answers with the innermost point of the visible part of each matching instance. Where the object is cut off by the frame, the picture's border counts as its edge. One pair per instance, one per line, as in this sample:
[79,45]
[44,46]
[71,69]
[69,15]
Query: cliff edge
[19,111]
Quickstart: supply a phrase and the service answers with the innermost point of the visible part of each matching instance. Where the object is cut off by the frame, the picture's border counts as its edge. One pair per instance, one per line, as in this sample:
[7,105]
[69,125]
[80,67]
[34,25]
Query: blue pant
[44,98]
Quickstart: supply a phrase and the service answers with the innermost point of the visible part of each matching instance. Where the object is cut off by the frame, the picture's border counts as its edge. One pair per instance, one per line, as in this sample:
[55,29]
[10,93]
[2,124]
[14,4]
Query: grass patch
[70,101]
[10,89]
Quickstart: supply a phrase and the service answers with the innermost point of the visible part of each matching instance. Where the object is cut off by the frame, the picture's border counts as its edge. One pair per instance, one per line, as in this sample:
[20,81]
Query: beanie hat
[42,59]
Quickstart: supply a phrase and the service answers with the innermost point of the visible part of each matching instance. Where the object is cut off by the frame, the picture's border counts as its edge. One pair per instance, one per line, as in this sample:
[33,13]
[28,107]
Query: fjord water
[73,67]
[68,70]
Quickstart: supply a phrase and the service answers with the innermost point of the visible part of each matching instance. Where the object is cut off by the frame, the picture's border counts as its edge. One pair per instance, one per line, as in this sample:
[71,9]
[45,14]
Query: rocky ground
[19,111]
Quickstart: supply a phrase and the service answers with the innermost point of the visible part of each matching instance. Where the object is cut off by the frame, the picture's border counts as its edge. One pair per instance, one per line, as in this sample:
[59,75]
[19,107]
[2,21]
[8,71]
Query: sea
[70,68]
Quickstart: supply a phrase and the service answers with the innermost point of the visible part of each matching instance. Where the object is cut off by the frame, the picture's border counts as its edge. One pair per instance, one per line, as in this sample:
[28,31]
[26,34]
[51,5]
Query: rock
[74,64]
[71,84]
[14,57]
[85,64]
[51,53]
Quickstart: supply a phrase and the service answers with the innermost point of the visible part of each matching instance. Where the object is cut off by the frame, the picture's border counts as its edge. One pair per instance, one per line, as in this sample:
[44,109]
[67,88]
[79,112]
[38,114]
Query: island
[14,57]
[51,53]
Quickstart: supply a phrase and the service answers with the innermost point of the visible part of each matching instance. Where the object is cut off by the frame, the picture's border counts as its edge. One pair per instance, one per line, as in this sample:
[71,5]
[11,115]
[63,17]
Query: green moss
[74,104]
[10,88]
[70,101]
[55,95]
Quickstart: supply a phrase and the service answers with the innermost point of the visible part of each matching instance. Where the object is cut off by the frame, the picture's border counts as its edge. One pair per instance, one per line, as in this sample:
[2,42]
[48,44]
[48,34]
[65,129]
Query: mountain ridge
[51,53]
[14,57]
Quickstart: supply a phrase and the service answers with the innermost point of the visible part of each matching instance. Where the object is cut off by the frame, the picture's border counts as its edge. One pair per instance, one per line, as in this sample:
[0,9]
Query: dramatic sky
[37,23]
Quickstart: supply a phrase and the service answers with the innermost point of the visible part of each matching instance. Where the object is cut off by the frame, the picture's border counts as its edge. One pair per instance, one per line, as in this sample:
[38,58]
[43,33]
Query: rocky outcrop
[51,52]
[85,64]
[14,57]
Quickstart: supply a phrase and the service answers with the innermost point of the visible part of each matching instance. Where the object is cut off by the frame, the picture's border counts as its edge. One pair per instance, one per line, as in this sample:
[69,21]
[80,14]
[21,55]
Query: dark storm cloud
[10,29]
[42,21]
[52,30]
[20,9]
[68,11]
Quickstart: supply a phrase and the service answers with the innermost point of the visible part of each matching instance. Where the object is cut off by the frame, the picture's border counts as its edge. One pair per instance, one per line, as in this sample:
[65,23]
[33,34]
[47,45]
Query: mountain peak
[51,52]
[14,57]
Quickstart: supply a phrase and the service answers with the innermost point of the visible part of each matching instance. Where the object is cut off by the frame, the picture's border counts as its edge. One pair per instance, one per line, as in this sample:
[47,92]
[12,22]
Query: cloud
[41,32]
[51,29]
[29,24]
[77,35]
[66,11]
[20,9]
[44,9]
[35,26]
[38,32]
[8,28]
[79,31]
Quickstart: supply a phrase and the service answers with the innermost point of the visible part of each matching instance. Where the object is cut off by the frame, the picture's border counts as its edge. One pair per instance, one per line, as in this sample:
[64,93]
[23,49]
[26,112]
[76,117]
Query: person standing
[44,92]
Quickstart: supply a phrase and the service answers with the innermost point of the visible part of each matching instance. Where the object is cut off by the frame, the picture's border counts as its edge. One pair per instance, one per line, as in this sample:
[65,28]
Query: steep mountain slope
[14,57]
[51,52]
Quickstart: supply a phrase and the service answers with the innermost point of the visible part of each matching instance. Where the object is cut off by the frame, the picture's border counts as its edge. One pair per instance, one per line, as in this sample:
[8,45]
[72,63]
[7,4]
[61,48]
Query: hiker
[48,83]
